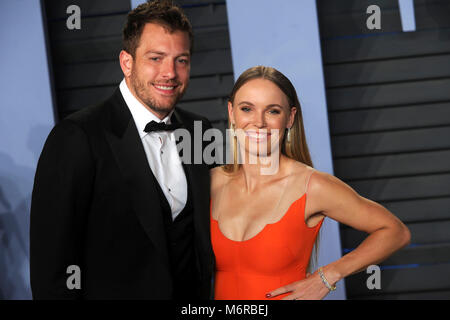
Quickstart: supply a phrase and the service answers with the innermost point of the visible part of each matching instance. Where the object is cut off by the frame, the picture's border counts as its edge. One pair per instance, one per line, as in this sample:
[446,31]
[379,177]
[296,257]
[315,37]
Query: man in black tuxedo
[111,195]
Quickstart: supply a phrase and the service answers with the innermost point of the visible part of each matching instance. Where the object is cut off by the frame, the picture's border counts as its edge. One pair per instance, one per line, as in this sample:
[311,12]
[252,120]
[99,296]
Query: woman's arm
[333,198]
[340,202]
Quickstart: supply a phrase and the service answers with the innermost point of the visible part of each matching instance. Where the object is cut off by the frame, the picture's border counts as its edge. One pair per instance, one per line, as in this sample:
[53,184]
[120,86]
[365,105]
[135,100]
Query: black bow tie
[160,126]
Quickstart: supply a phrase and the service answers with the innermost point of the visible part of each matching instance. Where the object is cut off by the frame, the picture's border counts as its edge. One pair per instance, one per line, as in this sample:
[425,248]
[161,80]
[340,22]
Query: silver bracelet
[325,281]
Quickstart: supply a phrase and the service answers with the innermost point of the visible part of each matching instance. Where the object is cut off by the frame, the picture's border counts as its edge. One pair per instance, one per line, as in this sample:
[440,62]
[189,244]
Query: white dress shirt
[161,151]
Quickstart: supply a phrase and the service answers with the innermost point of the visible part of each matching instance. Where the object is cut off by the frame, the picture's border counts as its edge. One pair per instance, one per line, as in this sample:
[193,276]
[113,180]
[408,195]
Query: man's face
[160,70]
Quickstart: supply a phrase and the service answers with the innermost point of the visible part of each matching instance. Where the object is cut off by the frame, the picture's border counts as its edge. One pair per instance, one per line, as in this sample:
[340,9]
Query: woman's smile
[258,135]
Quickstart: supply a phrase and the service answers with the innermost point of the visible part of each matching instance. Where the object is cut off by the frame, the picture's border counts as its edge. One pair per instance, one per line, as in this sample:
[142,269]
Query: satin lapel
[129,153]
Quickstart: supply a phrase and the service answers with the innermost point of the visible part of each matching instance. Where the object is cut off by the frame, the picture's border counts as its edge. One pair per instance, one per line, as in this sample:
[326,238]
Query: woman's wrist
[331,275]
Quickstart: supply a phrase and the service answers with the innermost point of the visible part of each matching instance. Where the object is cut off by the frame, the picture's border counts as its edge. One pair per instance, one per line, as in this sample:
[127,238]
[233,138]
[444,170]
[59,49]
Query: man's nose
[168,69]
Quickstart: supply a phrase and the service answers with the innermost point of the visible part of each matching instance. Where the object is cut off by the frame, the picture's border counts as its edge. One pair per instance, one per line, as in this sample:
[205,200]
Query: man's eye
[155,58]
[245,109]
[183,61]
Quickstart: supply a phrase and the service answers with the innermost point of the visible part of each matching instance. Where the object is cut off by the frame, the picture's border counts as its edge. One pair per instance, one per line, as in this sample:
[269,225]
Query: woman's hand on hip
[310,288]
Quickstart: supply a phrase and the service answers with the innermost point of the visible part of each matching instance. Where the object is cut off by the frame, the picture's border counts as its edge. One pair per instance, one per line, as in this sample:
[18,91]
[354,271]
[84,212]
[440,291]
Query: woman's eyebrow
[268,106]
[245,102]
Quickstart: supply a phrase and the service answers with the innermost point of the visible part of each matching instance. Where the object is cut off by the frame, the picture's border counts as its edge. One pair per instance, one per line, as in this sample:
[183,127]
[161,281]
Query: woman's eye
[274,111]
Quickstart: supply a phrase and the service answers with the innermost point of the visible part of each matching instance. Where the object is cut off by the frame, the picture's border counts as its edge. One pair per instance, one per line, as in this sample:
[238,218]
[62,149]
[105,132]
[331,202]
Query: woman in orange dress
[267,206]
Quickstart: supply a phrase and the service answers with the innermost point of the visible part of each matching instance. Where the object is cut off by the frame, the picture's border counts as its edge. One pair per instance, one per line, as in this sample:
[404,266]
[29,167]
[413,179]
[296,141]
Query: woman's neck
[258,174]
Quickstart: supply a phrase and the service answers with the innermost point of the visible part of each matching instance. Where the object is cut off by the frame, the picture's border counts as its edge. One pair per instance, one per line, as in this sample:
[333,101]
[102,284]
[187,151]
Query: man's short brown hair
[162,12]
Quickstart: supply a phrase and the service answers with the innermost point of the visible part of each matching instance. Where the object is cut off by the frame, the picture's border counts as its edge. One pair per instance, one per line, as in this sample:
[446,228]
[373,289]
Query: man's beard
[143,93]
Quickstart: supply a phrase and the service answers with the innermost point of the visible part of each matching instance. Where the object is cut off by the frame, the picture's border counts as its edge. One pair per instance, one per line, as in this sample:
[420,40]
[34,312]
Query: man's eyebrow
[155,52]
[163,53]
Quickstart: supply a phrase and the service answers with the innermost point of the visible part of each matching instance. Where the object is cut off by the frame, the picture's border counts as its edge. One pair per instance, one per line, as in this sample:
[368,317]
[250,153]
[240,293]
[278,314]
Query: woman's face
[260,113]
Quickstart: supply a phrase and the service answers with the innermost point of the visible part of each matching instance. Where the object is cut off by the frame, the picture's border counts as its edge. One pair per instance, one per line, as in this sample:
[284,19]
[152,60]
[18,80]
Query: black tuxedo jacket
[95,205]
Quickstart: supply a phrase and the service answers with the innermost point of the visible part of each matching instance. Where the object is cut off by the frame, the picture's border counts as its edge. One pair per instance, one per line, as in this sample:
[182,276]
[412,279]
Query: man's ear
[126,63]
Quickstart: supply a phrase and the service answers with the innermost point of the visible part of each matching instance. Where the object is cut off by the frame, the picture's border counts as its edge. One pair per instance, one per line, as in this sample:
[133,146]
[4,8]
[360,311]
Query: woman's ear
[292,117]
[230,112]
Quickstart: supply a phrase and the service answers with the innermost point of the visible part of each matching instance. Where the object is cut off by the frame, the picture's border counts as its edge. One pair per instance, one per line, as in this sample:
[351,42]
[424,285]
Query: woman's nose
[259,120]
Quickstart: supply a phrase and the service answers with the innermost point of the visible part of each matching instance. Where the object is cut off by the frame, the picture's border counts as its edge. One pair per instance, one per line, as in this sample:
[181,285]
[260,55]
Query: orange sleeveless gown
[276,256]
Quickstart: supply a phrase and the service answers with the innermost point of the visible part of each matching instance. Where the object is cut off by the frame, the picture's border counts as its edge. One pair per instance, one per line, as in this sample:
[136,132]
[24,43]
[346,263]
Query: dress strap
[309,177]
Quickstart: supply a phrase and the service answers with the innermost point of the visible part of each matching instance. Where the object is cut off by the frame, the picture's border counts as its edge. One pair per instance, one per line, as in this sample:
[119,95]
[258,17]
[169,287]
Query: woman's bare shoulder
[218,172]
[300,170]
[315,179]
[324,180]
[330,191]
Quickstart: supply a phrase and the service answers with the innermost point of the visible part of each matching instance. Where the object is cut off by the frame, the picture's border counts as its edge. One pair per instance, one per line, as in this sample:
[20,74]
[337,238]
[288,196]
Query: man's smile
[166,89]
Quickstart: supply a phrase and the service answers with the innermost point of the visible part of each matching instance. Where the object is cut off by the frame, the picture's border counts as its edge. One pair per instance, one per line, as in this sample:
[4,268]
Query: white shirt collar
[140,113]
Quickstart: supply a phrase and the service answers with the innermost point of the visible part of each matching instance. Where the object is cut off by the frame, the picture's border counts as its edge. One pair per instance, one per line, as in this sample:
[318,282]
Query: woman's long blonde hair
[297,147]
